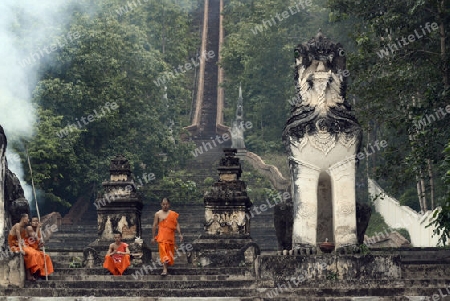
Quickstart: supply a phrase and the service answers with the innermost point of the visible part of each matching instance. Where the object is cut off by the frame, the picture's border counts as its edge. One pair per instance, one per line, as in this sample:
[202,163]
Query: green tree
[96,98]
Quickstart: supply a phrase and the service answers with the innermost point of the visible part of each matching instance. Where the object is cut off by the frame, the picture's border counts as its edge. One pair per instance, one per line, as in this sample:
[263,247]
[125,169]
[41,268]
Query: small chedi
[322,137]
[226,241]
[226,203]
[119,209]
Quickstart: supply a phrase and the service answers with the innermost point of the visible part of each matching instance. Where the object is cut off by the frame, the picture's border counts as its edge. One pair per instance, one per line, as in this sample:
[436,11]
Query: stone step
[386,292]
[178,269]
[117,282]
[296,298]
[142,294]
[166,288]
[155,277]
[363,298]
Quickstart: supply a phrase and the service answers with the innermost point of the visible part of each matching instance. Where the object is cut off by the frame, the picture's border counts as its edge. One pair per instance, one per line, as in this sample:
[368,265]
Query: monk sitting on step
[34,240]
[117,260]
[166,222]
[17,243]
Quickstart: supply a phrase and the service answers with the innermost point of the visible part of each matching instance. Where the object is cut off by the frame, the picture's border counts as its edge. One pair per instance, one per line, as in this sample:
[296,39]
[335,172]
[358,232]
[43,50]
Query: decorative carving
[346,208]
[306,210]
[119,169]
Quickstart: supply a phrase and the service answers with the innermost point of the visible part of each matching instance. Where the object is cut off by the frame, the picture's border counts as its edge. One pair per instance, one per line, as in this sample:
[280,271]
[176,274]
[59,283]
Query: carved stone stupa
[226,241]
[226,203]
[119,208]
[322,137]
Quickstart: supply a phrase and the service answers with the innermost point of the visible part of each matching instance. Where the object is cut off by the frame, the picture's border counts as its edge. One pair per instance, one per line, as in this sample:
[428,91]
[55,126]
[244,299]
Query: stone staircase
[183,281]
[422,278]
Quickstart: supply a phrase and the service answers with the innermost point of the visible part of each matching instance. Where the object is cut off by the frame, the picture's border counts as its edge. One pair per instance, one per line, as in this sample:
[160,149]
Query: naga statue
[322,137]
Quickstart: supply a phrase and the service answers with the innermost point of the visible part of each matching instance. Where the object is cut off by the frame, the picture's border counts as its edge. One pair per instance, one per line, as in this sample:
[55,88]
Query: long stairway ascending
[209,103]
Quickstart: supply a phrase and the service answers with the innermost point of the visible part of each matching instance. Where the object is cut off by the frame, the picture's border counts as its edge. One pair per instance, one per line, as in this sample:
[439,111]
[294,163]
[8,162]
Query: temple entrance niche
[325,221]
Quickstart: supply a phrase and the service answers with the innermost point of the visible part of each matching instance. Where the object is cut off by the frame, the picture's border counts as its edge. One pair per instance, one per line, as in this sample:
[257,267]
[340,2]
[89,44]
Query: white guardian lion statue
[322,137]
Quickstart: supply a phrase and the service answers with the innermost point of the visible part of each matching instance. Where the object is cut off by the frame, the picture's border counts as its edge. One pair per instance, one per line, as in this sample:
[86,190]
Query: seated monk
[16,242]
[34,241]
[167,222]
[117,260]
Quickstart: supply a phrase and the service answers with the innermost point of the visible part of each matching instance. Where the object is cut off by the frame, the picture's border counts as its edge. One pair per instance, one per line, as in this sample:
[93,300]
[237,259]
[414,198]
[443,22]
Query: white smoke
[26,26]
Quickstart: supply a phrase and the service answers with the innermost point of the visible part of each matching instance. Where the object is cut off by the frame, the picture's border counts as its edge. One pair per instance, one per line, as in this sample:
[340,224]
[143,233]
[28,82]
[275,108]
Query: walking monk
[166,222]
[117,260]
[34,240]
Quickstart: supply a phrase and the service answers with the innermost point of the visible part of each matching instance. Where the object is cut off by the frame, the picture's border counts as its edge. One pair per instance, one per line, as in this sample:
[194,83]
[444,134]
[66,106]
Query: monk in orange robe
[34,241]
[17,243]
[117,260]
[167,222]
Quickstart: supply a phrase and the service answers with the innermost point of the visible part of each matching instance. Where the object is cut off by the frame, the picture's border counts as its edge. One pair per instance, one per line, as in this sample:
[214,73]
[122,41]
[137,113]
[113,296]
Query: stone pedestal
[224,251]
[226,241]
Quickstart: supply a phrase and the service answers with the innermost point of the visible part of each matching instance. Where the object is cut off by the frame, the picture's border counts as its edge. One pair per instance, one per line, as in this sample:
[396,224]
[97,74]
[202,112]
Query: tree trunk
[441,19]
[419,193]
[422,188]
[430,175]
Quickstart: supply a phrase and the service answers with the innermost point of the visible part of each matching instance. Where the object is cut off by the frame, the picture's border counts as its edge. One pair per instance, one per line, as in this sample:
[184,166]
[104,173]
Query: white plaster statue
[322,137]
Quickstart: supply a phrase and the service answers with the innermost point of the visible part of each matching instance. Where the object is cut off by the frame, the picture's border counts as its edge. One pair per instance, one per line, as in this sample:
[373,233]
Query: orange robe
[166,237]
[34,243]
[117,263]
[13,242]
[31,257]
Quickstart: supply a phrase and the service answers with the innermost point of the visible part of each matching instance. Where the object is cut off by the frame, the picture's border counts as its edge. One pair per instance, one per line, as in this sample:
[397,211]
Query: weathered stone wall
[12,270]
[327,266]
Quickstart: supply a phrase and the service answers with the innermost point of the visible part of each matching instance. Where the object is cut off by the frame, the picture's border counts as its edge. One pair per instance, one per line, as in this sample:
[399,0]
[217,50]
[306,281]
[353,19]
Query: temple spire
[237,131]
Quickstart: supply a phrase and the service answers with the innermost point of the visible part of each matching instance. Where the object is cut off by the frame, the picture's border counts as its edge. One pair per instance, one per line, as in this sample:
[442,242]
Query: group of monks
[26,238]
[117,259]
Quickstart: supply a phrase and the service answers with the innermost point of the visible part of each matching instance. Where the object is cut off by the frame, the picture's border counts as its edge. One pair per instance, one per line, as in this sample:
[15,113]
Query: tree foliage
[96,97]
